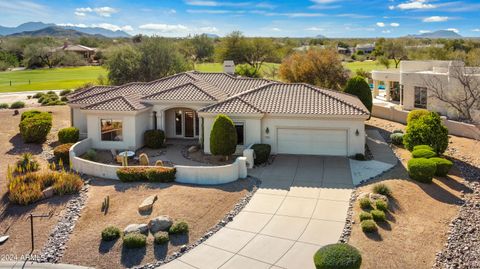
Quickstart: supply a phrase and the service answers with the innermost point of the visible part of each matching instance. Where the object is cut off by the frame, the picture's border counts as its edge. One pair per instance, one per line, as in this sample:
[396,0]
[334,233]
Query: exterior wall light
[357,133]
[267,130]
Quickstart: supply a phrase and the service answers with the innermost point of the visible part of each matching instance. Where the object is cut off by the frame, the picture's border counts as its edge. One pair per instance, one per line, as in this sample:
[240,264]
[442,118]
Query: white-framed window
[111,130]
[240,128]
[420,97]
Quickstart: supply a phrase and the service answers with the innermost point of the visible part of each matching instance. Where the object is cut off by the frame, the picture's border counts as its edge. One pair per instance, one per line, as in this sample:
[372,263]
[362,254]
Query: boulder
[147,204]
[136,228]
[160,223]
[47,193]
[192,149]
[375,196]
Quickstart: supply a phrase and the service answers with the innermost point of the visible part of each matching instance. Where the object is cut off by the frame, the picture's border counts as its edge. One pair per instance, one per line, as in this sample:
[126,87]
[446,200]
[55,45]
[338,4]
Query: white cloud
[275,29]
[380,24]
[164,28]
[386,31]
[80,14]
[391,7]
[216,3]
[394,24]
[316,29]
[476,30]
[107,26]
[213,11]
[81,25]
[414,4]
[100,11]
[455,30]
[424,31]
[435,19]
[208,29]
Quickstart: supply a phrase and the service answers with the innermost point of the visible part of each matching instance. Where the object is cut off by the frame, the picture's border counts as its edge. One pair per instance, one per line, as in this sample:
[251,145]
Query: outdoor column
[375,88]
[387,91]
[161,120]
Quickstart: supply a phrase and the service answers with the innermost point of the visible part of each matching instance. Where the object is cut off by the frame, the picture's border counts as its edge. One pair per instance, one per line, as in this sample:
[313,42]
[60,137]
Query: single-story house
[294,118]
[87,52]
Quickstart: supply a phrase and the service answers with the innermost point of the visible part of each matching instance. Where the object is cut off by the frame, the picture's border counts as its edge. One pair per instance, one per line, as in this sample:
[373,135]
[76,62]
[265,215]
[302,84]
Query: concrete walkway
[300,206]
[34,265]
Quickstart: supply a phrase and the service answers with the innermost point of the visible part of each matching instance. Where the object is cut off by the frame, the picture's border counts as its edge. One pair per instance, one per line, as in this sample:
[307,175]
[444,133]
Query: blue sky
[294,18]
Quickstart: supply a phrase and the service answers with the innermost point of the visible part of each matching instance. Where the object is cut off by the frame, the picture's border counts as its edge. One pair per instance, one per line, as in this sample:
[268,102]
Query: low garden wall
[202,175]
[454,127]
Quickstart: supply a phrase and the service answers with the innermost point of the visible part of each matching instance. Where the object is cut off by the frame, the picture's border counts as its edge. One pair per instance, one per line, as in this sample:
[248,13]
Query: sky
[292,18]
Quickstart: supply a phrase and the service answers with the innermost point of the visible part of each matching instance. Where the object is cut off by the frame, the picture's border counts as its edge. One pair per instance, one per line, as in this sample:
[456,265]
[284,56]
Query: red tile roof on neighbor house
[225,93]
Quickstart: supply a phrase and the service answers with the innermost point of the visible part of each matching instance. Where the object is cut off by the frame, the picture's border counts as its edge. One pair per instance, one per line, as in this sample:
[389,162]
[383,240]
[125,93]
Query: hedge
[68,135]
[34,129]
[262,153]
[153,174]
[421,169]
[154,139]
[338,256]
[427,130]
[359,87]
[423,153]
[62,152]
[443,166]
[223,136]
[427,147]
[18,104]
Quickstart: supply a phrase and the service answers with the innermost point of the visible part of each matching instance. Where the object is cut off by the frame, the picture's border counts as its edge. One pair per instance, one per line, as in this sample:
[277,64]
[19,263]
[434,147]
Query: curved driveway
[300,206]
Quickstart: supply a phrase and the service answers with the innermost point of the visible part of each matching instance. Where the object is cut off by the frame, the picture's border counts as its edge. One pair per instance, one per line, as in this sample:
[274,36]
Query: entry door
[189,119]
[312,142]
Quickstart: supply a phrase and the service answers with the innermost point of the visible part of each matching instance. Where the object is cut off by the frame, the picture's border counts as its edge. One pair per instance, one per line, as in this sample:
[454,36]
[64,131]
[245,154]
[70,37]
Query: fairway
[49,79]
[367,66]
[218,67]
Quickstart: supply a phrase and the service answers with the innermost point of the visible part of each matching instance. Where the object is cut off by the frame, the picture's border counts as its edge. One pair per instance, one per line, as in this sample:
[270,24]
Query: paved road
[300,206]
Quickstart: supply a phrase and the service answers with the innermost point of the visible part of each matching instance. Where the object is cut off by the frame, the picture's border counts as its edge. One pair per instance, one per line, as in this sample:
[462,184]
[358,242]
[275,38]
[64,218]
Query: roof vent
[229,67]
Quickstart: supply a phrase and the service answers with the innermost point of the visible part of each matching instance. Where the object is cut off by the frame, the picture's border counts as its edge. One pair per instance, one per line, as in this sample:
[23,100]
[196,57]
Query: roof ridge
[177,87]
[109,100]
[327,92]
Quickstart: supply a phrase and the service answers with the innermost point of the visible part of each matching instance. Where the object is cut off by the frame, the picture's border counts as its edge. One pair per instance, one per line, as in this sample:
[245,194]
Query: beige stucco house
[292,118]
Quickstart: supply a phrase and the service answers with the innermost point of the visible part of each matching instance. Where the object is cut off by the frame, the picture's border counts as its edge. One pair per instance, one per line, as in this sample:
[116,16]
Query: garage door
[312,142]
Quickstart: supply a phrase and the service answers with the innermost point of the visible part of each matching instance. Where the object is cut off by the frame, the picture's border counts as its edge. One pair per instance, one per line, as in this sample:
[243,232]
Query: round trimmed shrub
[17,105]
[223,137]
[338,256]
[134,240]
[179,227]
[65,92]
[369,226]
[364,203]
[416,114]
[359,87]
[38,95]
[62,152]
[364,216]
[382,189]
[427,147]
[423,153]
[68,135]
[110,233]
[35,129]
[154,139]
[4,106]
[378,215]
[161,238]
[397,139]
[381,205]
[262,153]
[443,166]
[427,130]
[421,169]
[30,113]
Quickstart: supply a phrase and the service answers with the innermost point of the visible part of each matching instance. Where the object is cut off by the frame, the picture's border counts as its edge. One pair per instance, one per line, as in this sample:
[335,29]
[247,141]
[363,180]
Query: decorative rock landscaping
[147,204]
[136,228]
[160,223]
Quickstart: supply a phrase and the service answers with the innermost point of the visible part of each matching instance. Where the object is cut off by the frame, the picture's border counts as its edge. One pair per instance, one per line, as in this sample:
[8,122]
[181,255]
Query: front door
[189,119]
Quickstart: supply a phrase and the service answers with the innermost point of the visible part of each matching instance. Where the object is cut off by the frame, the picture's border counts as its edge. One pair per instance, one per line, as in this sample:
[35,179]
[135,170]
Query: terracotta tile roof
[120,103]
[191,91]
[295,98]
[230,84]
[88,92]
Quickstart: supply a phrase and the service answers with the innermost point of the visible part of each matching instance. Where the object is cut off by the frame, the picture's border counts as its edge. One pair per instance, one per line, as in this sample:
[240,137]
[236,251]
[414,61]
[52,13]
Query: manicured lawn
[49,79]
[367,66]
[218,67]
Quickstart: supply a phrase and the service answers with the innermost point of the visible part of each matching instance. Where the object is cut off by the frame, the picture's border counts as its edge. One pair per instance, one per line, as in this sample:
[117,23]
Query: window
[240,133]
[197,125]
[111,130]
[178,122]
[421,97]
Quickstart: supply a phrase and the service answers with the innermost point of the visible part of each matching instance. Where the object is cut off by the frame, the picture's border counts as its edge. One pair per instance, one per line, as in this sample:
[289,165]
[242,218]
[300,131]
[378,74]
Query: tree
[320,67]
[466,94]
[258,51]
[383,61]
[395,50]
[123,64]
[360,88]
[199,48]
[223,136]
[39,54]
[232,47]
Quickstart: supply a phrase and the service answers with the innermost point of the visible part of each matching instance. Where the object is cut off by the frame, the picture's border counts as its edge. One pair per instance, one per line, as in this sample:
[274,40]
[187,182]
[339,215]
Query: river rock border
[229,217]
[349,222]
[55,246]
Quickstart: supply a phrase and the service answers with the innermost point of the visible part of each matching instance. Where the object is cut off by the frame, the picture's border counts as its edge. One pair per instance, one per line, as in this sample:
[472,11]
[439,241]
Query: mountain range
[40,28]
[437,34]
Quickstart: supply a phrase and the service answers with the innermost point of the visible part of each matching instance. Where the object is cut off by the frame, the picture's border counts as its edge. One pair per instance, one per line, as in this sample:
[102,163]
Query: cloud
[476,30]
[386,31]
[455,30]
[435,19]
[216,3]
[100,11]
[324,4]
[414,4]
[275,29]
[424,31]
[288,14]
[214,11]
[108,26]
[380,24]
[178,29]
[314,28]
[208,29]
[394,24]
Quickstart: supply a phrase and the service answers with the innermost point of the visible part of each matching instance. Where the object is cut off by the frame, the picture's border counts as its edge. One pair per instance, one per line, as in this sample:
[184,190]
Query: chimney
[229,67]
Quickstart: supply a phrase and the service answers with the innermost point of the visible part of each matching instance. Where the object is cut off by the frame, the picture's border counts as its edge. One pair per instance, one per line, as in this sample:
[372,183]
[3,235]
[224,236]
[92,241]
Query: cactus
[105,204]
[143,160]
[159,163]
[125,160]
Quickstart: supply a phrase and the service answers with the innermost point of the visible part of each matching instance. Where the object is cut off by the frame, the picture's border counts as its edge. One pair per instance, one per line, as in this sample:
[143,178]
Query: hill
[53,31]
[35,26]
[438,34]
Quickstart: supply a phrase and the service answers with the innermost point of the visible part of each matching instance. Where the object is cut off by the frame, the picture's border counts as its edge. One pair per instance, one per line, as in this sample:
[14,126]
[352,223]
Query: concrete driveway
[301,205]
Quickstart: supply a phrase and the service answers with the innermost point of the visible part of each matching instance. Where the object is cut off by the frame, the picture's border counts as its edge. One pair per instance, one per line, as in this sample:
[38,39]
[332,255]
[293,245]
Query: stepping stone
[147,204]
[3,239]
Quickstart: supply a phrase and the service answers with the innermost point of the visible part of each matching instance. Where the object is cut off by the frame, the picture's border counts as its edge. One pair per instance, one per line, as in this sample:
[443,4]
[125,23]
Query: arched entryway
[181,122]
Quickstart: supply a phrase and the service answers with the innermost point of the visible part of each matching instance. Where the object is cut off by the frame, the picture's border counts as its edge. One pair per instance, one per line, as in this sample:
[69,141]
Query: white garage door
[312,142]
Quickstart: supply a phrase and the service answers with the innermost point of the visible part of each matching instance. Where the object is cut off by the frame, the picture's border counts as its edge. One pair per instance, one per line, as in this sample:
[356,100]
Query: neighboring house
[365,48]
[413,79]
[87,52]
[293,118]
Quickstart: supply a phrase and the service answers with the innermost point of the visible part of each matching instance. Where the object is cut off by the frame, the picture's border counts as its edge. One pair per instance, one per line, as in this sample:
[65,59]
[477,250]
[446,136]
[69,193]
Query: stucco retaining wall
[454,127]
[202,175]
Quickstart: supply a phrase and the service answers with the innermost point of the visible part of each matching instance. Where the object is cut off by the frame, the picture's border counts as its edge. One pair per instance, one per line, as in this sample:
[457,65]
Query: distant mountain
[211,35]
[321,36]
[53,31]
[438,34]
[35,26]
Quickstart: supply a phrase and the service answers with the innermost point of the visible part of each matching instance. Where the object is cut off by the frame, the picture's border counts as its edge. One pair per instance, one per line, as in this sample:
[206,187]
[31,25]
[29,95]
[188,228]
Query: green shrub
[110,233]
[443,166]
[161,238]
[64,99]
[423,153]
[27,163]
[382,189]
[421,169]
[161,174]
[31,113]
[247,70]
[427,147]
[416,114]
[62,152]
[378,215]
[360,157]
[381,205]
[397,131]
[35,129]
[364,203]
[359,87]
[38,95]
[65,92]
[50,99]
[262,153]
[179,227]
[91,155]
[153,174]
[68,135]
[364,216]
[134,240]
[17,105]
[338,256]
[154,139]
[66,183]
[55,103]
[4,106]
[368,226]
[397,139]
[427,130]
[223,137]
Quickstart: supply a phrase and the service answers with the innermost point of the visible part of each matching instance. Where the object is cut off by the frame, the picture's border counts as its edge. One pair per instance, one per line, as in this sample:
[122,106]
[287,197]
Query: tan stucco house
[293,118]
